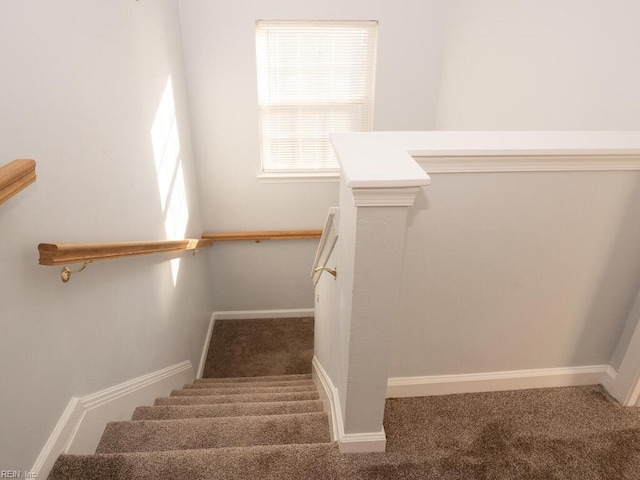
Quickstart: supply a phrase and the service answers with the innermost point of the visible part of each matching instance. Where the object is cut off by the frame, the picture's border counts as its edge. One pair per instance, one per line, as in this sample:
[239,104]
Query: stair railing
[16,176]
[325,248]
[258,236]
[52,254]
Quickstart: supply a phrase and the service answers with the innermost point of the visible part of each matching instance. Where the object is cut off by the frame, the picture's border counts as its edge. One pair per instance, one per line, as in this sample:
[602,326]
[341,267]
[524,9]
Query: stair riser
[295,383]
[235,391]
[225,410]
[272,378]
[248,398]
[162,435]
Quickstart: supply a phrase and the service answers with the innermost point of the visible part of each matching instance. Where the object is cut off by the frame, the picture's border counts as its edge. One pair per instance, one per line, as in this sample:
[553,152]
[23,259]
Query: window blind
[314,77]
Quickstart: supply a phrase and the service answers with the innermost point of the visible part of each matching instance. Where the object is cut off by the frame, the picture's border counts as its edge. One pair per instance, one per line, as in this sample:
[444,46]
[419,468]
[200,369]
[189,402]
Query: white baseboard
[498,381]
[347,442]
[59,438]
[327,393]
[251,314]
[609,379]
[363,442]
[81,425]
[205,348]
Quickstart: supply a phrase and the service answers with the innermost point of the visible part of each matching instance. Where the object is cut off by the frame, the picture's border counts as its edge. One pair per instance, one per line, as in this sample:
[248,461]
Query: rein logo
[17,474]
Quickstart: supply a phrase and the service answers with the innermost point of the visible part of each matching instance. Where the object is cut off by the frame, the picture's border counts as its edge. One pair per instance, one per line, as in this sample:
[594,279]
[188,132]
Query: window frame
[274,173]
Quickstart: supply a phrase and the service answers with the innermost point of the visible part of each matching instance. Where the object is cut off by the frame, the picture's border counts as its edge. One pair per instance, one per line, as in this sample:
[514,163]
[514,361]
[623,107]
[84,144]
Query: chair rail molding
[524,151]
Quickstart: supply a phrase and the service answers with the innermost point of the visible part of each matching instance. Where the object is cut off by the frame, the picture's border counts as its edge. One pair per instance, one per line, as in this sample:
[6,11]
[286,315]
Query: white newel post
[377,189]
[374,239]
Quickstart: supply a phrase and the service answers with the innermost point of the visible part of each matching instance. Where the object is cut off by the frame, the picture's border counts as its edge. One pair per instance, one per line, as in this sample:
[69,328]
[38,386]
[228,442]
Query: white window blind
[314,77]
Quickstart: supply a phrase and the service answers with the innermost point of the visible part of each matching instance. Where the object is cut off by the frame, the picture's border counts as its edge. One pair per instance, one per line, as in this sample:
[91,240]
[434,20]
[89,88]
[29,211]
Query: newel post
[378,186]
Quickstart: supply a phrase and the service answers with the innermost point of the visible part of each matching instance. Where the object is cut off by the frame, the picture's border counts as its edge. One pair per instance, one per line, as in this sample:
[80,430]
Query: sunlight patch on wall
[170,177]
[177,216]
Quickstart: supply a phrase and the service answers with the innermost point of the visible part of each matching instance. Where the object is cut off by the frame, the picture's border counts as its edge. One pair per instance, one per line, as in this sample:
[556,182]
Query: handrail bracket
[331,271]
[65,275]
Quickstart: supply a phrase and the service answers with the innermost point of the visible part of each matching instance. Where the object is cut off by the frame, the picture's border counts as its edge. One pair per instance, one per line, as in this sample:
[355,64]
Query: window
[314,77]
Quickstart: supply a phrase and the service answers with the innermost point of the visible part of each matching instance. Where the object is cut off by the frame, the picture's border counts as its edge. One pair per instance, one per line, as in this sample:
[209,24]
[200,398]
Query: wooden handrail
[262,235]
[16,176]
[52,254]
[64,253]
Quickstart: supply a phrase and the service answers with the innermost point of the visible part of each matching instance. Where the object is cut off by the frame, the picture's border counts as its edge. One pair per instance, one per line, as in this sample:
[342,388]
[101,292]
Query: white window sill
[298,177]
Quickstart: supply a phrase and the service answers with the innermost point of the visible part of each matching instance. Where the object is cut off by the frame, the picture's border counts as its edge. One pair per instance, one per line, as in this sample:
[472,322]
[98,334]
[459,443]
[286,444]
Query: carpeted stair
[272,427]
[212,428]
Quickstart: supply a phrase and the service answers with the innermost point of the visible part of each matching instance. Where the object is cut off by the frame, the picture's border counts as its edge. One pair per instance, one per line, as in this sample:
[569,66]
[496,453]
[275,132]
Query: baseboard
[363,442]
[327,393]
[347,442]
[59,438]
[609,379]
[251,314]
[205,348]
[498,381]
[81,425]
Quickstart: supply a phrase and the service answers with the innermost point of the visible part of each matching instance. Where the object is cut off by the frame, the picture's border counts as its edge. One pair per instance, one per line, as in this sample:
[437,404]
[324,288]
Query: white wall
[514,271]
[81,86]
[219,44]
[541,65]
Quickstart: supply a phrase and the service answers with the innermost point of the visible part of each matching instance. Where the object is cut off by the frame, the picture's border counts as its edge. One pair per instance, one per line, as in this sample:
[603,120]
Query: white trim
[108,395]
[384,197]
[251,314]
[374,160]
[497,381]
[388,159]
[205,347]
[83,421]
[363,442]
[327,393]
[531,163]
[310,177]
[59,439]
[626,388]
[609,378]
[347,442]
[634,396]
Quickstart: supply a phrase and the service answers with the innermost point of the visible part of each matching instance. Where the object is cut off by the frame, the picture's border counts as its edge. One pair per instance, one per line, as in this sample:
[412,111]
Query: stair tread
[193,433]
[267,378]
[230,391]
[244,398]
[280,383]
[162,412]
[310,461]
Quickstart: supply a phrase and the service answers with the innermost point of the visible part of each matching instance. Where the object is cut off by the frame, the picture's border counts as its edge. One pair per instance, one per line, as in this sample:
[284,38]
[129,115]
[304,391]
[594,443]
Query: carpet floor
[273,427]
[250,348]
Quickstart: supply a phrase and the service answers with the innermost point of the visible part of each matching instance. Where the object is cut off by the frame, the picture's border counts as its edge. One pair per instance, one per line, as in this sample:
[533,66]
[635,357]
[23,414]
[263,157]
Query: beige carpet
[561,433]
[249,348]
[273,427]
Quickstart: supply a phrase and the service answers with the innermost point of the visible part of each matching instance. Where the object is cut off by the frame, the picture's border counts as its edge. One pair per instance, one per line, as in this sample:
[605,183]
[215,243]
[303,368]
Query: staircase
[248,427]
